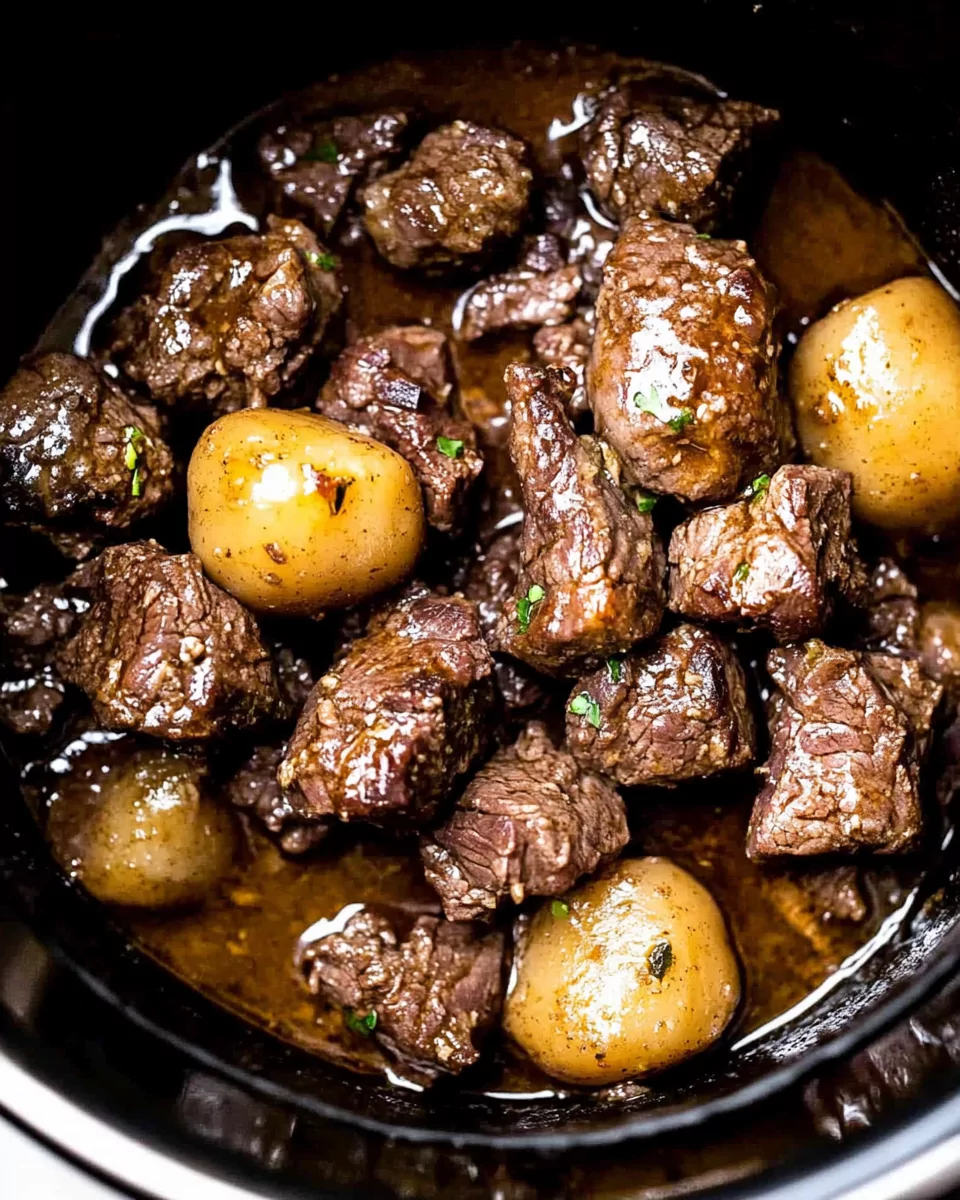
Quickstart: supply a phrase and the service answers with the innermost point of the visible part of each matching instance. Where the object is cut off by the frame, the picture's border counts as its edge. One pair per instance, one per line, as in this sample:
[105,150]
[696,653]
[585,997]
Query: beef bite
[253,788]
[682,376]
[395,386]
[402,714]
[464,191]
[164,651]
[428,989]
[777,560]
[847,734]
[890,608]
[229,323]
[76,453]
[315,165]
[568,346]
[659,143]
[591,566]
[530,823]
[675,711]
[541,289]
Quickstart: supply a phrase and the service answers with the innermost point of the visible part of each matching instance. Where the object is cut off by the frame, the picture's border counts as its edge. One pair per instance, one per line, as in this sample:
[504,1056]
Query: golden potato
[638,974]
[875,387]
[293,513]
[136,827]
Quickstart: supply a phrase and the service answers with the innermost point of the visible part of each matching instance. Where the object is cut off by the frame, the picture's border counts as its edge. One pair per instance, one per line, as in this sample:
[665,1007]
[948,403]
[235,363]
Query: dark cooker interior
[870,94]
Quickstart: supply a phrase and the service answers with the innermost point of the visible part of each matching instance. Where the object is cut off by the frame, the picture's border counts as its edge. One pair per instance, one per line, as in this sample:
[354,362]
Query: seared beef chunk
[394,386]
[655,146]
[843,773]
[591,568]
[405,711]
[540,290]
[776,560]
[316,165]
[938,639]
[464,190]
[913,691]
[674,711]
[529,824]
[75,451]
[436,987]
[254,788]
[891,610]
[567,346]
[683,370]
[164,651]
[230,322]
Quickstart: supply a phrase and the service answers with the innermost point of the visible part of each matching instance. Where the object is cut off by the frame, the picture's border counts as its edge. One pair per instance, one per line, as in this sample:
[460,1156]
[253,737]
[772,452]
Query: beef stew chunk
[164,651]
[682,376]
[567,346]
[530,823]
[541,289]
[666,713]
[254,789]
[464,191]
[847,730]
[591,566]
[938,641]
[316,165]
[657,146]
[891,610]
[75,452]
[776,560]
[230,323]
[435,987]
[403,713]
[394,386]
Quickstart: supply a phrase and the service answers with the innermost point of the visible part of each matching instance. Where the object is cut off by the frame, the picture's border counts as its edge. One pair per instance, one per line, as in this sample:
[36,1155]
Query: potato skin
[293,513]
[136,827]
[585,1002]
[875,386]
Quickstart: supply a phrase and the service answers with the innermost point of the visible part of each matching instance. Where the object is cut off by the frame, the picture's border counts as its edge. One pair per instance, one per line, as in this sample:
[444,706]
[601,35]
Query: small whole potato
[875,387]
[293,513]
[136,827]
[630,973]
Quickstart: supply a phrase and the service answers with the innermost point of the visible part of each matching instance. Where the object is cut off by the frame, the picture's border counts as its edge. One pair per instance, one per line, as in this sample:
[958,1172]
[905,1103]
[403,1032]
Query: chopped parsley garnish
[704,237]
[645,502]
[525,606]
[559,909]
[133,439]
[325,151]
[451,447]
[660,959]
[326,262]
[615,667]
[742,571]
[758,489]
[362,1025]
[676,418]
[584,705]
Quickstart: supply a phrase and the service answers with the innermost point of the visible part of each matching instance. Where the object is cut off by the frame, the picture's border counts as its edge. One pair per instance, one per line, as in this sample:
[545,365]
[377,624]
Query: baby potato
[635,974]
[293,513]
[875,387]
[136,827]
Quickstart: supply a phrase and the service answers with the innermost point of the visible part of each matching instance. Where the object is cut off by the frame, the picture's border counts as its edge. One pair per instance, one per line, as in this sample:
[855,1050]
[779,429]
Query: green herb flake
[758,489]
[676,418]
[325,151]
[660,959]
[645,502]
[326,262]
[584,705]
[742,571]
[615,667]
[704,237]
[451,447]
[525,606]
[133,439]
[136,483]
[362,1025]
[559,909]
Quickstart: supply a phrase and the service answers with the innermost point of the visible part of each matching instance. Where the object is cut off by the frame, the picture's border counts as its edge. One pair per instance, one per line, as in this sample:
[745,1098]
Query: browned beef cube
[164,651]
[567,346]
[254,788]
[776,560]
[847,731]
[428,992]
[540,290]
[682,376]
[315,164]
[388,730]
[938,640]
[676,710]
[655,145]
[75,451]
[530,823]
[464,190]
[230,322]
[394,386]
[591,568]
[813,902]
[891,611]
